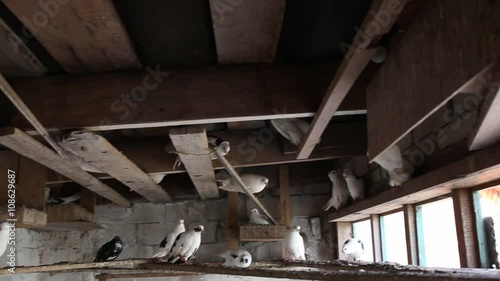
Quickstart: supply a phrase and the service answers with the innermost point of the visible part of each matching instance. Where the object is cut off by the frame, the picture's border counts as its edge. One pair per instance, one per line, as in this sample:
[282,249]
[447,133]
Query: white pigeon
[353,248]
[294,245]
[392,161]
[186,245]
[355,185]
[168,241]
[292,129]
[216,143]
[340,195]
[157,178]
[255,183]
[237,258]
[4,237]
[257,218]
[62,200]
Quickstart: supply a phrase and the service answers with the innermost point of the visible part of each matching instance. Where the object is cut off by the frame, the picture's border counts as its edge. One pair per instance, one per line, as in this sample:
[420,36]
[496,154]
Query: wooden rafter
[361,51]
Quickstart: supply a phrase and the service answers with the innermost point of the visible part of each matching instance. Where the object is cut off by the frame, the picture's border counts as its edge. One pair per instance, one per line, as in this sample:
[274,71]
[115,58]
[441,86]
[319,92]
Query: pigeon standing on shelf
[294,245]
[392,161]
[292,129]
[355,185]
[168,241]
[4,236]
[186,245]
[340,195]
[258,218]
[237,258]
[255,183]
[353,248]
[216,143]
[110,251]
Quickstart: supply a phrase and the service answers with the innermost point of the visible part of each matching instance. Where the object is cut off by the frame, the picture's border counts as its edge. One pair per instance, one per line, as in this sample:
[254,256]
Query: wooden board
[68,213]
[27,146]
[286,217]
[192,146]
[25,217]
[232,234]
[442,61]
[479,168]
[247,31]
[356,59]
[186,96]
[83,36]
[376,238]
[411,234]
[96,150]
[262,233]
[30,189]
[465,221]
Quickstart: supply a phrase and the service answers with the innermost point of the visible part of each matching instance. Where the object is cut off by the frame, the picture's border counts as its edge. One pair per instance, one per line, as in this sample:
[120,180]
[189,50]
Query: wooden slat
[30,189]
[376,238]
[121,101]
[479,168]
[262,233]
[357,58]
[192,146]
[87,200]
[232,220]
[83,36]
[247,31]
[105,276]
[99,152]
[344,232]
[411,234]
[465,222]
[25,217]
[286,216]
[68,213]
[442,62]
[27,146]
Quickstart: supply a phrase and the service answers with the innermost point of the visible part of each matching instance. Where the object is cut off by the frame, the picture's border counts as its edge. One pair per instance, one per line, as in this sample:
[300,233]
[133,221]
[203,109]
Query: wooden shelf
[69,217]
[26,217]
[262,233]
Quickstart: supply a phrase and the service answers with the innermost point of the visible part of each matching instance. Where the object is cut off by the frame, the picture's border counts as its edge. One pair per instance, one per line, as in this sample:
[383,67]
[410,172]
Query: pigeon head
[265,180]
[117,238]
[297,227]
[224,146]
[332,175]
[347,173]
[255,211]
[199,228]
[179,222]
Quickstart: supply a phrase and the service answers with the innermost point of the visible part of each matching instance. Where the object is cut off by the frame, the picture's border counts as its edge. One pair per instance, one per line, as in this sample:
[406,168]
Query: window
[363,230]
[487,208]
[392,228]
[437,235]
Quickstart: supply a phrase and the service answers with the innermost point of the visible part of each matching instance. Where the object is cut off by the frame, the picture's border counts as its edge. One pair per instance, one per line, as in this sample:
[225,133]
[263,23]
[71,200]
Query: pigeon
[4,236]
[353,248]
[292,129]
[50,199]
[237,258]
[392,161]
[255,183]
[340,195]
[168,241]
[257,218]
[110,251]
[219,144]
[294,245]
[355,185]
[157,178]
[186,245]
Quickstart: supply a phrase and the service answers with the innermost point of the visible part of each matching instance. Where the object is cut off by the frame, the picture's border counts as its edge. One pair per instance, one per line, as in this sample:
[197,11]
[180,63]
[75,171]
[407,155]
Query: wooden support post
[232,234]
[466,228]
[286,217]
[87,200]
[411,234]
[376,239]
[344,232]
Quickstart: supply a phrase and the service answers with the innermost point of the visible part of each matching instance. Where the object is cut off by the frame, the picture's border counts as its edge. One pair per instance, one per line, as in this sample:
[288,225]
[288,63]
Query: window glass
[363,230]
[393,236]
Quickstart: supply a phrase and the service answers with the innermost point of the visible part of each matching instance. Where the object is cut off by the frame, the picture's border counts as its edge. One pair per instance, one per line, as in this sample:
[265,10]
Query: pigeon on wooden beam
[4,236]
[110,251]
[355,185]
[392,161]
[353,248]
[292,129]
[255,183]
[186,245]
[214,143]
[237,258]
[258,218]
[294,245]
[340,194]
[168,241]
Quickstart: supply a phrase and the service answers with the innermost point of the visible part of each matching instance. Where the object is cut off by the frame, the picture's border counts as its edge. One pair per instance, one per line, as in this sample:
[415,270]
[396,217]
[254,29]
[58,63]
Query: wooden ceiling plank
[356,59]
[247,31]
[100,153]
[191,144]
[157,98]
[25,145]
[83,36]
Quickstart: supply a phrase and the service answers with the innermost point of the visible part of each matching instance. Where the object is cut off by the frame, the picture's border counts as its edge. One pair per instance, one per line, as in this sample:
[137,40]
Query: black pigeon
[109,251]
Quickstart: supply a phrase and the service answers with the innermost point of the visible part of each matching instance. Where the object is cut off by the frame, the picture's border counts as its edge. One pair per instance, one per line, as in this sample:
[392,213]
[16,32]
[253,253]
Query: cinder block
[111,213]
[189,211]
[308,206]
[319,188]
[146,213]
[315,225]
[209,234]
[126,231]
[209,252]
[216,210]
[153,233]
[267,251]
[129,252]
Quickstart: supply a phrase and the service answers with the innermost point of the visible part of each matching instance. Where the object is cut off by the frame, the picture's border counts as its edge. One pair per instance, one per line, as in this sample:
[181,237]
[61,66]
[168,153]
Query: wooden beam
[411,234]
[465,222]
[25,217]
[404,80]
[376,238]
[106,276]
[259,22]
[479,168]
[83,36]
[286,217]
[27,146]
[344,232]
[192,147]
[358,56]
[30,189]
[157,98]
[232,234]
[96,150]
